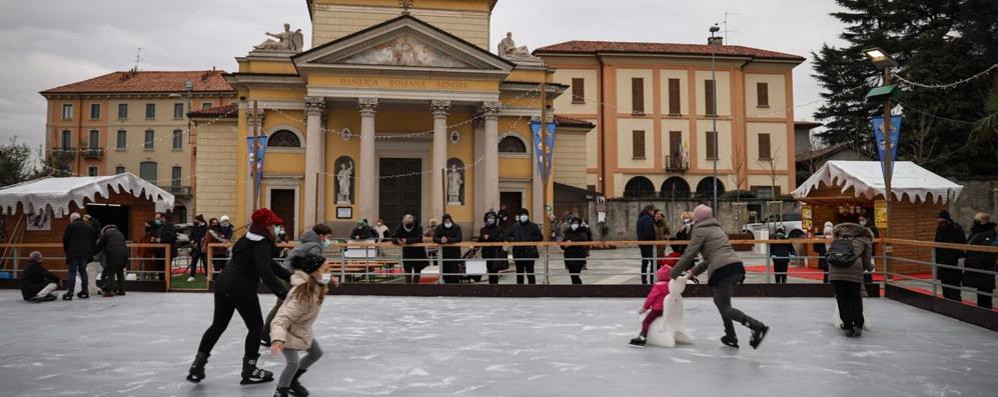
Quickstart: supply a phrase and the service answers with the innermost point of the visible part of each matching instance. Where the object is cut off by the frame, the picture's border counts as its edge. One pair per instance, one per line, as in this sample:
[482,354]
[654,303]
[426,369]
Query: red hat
[265,217]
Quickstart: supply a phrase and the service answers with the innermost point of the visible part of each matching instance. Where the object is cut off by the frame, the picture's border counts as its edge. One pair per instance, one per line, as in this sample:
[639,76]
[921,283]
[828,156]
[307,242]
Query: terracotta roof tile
[217,111]
[569,122]
[147,81]
[579,46]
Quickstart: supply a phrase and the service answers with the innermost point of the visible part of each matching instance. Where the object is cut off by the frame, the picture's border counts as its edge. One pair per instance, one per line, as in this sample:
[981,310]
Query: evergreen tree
[934,41]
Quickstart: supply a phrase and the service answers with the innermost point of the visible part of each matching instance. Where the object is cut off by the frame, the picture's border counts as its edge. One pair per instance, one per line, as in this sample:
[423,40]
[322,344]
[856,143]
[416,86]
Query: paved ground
[141,345]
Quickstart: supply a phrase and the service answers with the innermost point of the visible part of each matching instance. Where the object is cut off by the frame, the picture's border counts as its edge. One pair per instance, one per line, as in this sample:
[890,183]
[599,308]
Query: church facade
[392,111]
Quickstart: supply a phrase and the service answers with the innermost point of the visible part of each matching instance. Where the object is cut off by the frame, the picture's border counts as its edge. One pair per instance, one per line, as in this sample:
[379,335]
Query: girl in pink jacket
[653,304]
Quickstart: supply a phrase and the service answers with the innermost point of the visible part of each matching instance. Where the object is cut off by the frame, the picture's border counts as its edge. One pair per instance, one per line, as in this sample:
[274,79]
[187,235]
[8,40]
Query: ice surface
[142,344]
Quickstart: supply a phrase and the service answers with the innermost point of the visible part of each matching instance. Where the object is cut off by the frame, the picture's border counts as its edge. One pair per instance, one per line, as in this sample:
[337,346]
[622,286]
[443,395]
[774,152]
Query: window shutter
[638,144]
[711,148]
[708,90]
[578,90]
[638,95]
[674,107]
[676,143]
[762,94]
[764,146]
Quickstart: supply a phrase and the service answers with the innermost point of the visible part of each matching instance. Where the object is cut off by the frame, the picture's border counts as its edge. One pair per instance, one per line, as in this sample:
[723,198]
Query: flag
[543,157]
[878,135]
[256,159]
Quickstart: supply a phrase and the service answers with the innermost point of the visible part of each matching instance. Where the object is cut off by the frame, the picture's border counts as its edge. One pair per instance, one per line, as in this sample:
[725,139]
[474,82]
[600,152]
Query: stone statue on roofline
[509,50]
[287,41]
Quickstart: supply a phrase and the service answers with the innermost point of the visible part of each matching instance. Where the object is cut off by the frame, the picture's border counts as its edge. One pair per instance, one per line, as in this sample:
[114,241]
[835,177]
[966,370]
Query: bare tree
[921,148]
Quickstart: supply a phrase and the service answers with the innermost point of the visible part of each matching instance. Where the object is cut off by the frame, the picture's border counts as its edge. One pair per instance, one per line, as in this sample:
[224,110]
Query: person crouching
[291,330]
[38,282]
[654,304]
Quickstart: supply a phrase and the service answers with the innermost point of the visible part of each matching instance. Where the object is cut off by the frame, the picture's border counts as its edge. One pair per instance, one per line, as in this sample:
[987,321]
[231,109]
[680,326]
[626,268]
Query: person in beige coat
[291,330]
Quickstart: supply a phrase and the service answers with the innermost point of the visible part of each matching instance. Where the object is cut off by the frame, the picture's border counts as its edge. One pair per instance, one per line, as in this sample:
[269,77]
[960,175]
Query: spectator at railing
[112,246]
[167,235]
[951,277]
[215,235]
[646,232]
[227,230]
[821,249]
[38,283]
[198,231]
[79,242]
[494,256]
[523,256]
[414,259]
[362,231]
[848,280]
[449,233]
[431,229]
[662,232]
[381,232]
[982,233]
[575,256]
[781,253]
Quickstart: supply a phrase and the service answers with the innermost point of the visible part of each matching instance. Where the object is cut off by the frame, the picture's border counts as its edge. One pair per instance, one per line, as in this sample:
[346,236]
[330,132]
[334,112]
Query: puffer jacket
[308,243]
[293,322]
[112,245]
[981,235]
[709,240]
[523,233]
[862,247]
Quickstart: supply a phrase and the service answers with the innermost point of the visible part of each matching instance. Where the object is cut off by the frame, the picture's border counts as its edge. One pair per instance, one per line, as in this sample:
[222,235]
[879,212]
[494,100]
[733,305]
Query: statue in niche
[343,178]
[287,41]
[454,184]
[509,50]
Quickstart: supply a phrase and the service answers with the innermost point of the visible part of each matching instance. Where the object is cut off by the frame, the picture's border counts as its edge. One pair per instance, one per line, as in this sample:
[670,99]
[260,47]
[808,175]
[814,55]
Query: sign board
[475,267]
[807,218]
[360,253]
[880,214]
[600,203]
[344,212]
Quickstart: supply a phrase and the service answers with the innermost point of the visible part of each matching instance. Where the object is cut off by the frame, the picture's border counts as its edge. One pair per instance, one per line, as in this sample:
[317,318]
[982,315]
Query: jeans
[850,301]
[114,278]
[722,299]
[197,256]
[412,269]
[524,266]
[314,354]
[780,267]
[647,263]
[575,270]
[77,264]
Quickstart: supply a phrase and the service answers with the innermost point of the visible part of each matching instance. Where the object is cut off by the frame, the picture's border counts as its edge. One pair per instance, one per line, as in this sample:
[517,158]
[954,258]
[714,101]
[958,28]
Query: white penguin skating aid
[668,330]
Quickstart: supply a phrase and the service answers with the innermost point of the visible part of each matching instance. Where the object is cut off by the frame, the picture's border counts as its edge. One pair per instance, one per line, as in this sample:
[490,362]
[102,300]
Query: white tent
[867,178]
[55,194]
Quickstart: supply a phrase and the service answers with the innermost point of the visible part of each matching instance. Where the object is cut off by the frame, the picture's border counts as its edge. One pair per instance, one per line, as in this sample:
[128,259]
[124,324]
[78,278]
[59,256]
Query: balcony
[92,153]
[178,190]
[677,163]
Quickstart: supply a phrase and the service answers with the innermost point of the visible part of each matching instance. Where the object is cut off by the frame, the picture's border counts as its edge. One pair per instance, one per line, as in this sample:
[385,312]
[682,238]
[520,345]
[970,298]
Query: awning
[866,177]
[57,193]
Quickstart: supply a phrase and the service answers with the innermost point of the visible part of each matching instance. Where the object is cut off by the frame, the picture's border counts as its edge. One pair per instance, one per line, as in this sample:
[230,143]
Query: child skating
[291,330]
[653,306]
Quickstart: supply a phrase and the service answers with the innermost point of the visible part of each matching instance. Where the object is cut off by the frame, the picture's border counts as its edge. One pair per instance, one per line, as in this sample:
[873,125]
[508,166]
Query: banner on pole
[543,158]
[256,153]
[878,135]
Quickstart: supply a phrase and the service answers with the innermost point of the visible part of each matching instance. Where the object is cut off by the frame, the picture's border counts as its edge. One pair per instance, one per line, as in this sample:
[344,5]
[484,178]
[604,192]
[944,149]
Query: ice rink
[142,344]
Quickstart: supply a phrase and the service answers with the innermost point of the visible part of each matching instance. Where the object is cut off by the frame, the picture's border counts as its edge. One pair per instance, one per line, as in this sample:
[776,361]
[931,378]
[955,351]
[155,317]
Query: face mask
[490,221]
[524,218]
[158,222]
[863,222]
[379,224]
[226,224]
[575,226]
[326,243]
[448,225]
[278,230]
[326,278]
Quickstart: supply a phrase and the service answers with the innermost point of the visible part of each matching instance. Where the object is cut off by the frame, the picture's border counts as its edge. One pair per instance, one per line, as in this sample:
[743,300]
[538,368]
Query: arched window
[675,187]
[512,144]
[639,187]
[706,187]
[284,138]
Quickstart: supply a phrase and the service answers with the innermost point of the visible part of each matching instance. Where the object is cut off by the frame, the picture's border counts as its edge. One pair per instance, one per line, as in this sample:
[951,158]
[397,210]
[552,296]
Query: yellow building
[134,121]
[363,124]
[653,104]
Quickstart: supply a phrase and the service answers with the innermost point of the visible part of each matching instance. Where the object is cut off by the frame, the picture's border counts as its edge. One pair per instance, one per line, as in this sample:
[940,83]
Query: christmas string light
[943,86]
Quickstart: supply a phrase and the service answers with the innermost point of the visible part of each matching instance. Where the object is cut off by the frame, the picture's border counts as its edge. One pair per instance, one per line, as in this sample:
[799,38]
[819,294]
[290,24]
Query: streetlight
[883,61]
[713,84]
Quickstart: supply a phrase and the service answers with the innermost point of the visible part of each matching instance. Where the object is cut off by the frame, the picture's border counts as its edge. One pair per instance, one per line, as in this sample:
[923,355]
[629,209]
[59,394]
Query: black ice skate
[730,341]
[83,294]
[281,392]
[196,373]
[757,336]
[253,375]
[296,388]
[638,342]
[68,296]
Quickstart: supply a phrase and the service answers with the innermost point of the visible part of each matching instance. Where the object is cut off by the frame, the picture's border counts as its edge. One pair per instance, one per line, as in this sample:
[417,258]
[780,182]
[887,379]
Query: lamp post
[885,62]
[713,85]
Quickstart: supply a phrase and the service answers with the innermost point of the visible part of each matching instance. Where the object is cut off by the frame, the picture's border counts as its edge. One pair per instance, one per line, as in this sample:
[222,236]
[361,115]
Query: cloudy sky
[44,44]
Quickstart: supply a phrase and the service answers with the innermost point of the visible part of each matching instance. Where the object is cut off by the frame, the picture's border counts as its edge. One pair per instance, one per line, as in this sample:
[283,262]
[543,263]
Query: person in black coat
[781,253]
[982,233]
[575,256]
[414,259]
[949,232]
[523,256]
[646,232]
[37,282]
[198,232]
[363,231]
[112,245]
[167,235]
[494,257]
[236,290]
[449,233]
[79,242]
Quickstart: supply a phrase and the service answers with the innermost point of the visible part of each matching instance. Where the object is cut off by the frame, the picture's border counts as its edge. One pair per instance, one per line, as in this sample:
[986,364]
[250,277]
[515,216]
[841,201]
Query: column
[490,112]
[367,182]
[254,121]
[440,110]
[314,160]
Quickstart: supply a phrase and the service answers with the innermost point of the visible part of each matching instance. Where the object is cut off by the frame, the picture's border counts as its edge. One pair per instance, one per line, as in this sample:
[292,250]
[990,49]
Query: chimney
[715,40]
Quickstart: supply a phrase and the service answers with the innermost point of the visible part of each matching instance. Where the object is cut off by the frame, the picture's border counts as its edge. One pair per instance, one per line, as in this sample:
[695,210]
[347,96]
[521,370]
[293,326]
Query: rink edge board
[137,286]
[967,313]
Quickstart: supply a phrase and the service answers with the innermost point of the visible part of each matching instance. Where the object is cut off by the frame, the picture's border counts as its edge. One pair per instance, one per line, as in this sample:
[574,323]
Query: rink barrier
[17,256]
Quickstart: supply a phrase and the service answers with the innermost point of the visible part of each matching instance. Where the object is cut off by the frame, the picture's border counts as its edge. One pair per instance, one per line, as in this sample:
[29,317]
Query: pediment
[402,43]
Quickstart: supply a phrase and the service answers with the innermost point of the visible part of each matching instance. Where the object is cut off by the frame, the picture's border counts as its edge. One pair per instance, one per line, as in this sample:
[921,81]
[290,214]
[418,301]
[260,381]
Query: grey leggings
[314,354]
[723,291]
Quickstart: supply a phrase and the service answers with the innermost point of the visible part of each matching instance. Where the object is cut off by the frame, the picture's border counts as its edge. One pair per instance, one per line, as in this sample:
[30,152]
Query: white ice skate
[669,329]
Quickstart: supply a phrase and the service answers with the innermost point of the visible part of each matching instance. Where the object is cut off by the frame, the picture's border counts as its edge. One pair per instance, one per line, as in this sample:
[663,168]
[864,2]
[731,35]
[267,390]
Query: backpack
[840,252]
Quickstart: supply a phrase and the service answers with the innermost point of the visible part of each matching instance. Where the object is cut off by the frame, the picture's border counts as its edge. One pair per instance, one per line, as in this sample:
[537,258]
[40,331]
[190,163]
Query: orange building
[653,105]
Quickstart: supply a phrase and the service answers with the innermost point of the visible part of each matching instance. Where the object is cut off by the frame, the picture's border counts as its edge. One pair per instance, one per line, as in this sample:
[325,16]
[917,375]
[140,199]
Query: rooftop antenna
[138,59]
[725,23]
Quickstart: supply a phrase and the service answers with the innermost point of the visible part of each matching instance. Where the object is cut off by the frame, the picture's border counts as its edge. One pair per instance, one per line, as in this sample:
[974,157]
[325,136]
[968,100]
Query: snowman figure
[668,330]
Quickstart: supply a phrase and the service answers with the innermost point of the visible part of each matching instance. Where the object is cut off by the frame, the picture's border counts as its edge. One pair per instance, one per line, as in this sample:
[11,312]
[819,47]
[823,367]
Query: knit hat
[663,273]
[264,217]
[827,231]
[944,214]
[523,211]
[199,218]
[307,263]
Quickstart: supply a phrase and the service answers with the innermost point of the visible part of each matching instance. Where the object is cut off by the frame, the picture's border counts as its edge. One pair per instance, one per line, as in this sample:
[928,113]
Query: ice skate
[253,375]
[196,373]
[757,336]
[640,341]
[296,388]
